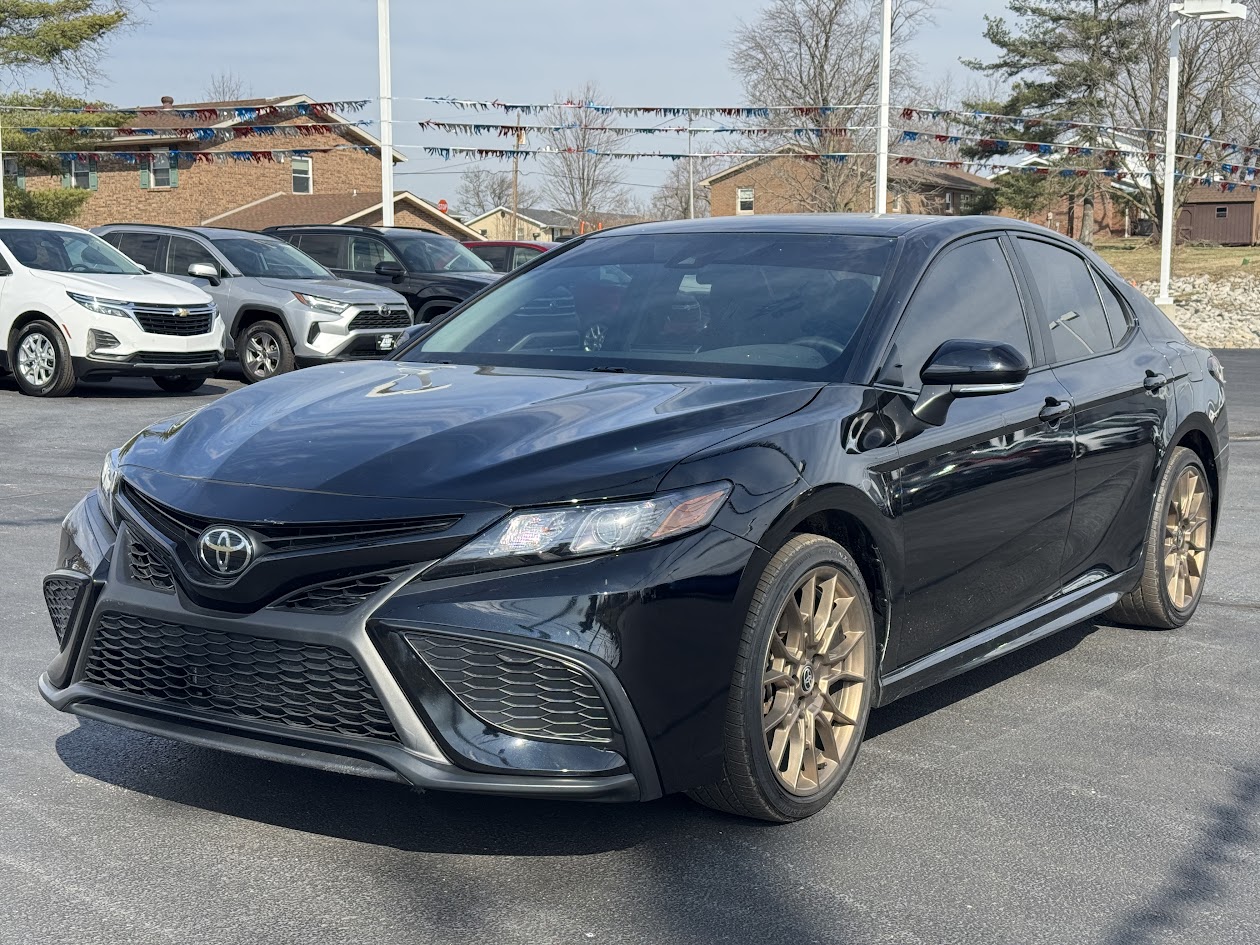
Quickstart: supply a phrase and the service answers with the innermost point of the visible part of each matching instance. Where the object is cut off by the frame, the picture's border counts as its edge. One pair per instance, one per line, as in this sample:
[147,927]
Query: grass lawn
[1138,260]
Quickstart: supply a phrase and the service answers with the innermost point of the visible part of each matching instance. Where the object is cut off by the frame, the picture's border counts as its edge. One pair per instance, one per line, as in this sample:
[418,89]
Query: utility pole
[387,114]
[516,169]
[1,166]
[885,80]
[691,175]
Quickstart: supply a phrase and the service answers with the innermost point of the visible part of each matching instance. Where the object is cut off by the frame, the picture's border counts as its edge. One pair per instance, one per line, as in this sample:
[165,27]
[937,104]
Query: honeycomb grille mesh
[147,568]
[61,594]
[390,318]
[232,674]
[518,691]
[336,597]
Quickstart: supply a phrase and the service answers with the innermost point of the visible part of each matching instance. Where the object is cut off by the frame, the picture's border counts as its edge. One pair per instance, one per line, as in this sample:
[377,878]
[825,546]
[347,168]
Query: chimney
[167,100]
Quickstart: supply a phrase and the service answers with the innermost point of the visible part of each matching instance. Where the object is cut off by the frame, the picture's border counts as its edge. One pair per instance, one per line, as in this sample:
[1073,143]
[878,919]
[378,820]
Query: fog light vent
[61,594]
[100,339]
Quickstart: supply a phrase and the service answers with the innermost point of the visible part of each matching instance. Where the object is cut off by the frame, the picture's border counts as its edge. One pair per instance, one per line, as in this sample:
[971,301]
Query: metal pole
[691,175]
[387,114]
[885,80]
[516,218]
[1,167]
[1170,160]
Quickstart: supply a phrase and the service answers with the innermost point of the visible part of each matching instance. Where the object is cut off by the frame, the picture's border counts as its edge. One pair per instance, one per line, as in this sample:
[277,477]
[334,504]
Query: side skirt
[1007,637]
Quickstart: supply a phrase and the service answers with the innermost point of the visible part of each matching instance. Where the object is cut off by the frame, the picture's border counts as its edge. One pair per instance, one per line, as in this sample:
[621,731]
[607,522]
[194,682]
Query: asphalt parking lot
[1100,786]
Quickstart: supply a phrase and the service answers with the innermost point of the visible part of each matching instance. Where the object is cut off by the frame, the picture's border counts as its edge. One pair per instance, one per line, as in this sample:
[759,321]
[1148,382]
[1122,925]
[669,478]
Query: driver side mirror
[394,270]
[205,271]
[964,368]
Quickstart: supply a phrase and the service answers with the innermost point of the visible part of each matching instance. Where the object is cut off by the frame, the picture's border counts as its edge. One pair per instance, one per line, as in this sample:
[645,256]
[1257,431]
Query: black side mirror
[205,271]
[387,267]
[965,368]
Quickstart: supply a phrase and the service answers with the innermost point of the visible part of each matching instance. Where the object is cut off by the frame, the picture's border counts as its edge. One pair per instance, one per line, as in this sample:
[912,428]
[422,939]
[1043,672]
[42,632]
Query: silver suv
[281,308]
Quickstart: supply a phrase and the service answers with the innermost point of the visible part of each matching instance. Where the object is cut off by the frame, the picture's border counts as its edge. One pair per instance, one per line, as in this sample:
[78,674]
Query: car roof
[10,224]
[849,224]
[209,232]
[546,243]
[356,227]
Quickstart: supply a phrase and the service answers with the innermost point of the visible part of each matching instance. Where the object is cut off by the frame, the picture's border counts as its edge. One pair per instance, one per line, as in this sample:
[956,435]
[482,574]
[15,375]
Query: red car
[506,255]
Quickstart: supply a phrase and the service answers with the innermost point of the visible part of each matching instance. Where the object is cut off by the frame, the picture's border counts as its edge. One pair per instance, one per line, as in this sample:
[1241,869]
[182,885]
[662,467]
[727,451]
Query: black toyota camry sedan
[670,509]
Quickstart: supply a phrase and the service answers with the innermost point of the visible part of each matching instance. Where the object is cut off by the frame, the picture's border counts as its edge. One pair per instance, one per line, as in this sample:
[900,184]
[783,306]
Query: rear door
[1119,387]
[984,499]
[144,249]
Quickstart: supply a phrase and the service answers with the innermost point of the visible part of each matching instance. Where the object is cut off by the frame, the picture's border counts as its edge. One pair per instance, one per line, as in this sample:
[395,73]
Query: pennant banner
[109,133]
[508,131]
[506,153]
[664,111]
[187,157]
[244,113]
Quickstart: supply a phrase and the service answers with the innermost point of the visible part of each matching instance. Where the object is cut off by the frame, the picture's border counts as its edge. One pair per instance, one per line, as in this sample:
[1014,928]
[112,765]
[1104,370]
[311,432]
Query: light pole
[1199,10]
[885,80]
[387,114]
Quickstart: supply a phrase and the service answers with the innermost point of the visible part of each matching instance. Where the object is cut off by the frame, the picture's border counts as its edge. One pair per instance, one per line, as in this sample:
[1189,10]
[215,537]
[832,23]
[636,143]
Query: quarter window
[744,200]
[302,175]
[1118,322]
[1072,310]
[967,293]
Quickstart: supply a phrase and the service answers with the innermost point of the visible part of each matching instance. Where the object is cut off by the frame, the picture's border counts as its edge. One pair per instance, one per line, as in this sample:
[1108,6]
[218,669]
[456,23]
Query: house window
[949,201]
[161,169]
[81,175]
[965,201]
[302,175]
[1222,212]
[744,200]
[13,170]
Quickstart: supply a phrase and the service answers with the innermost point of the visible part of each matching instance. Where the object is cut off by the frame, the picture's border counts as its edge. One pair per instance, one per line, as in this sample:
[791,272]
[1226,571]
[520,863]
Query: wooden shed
[1229,218]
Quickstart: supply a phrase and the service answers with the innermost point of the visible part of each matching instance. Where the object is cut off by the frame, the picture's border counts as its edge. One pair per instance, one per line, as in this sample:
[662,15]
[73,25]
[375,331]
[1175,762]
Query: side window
[967,293]
[1118,321]
[184,253]
[144,249]
[366,252]
[1072,308]
[325,248]
[524,254]
[494,256]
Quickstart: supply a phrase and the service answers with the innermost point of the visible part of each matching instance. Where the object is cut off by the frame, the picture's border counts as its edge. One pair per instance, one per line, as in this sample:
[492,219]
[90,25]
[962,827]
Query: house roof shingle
[283,209]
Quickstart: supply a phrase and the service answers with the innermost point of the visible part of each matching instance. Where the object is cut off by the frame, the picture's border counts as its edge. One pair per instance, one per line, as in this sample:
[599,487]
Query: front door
[985,499]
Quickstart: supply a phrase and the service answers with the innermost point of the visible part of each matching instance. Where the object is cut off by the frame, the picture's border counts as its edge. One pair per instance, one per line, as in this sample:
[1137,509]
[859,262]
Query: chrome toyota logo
[225,550]
[381,308]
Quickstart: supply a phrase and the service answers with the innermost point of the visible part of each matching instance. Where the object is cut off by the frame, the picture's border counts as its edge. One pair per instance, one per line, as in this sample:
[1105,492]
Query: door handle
[1154,382]
[1055,410]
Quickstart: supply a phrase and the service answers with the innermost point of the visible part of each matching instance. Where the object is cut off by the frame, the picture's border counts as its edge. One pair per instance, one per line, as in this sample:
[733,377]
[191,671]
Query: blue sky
[651,52]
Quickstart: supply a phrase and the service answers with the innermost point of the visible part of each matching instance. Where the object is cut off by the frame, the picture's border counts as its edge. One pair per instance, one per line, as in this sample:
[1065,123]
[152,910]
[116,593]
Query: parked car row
[172,303]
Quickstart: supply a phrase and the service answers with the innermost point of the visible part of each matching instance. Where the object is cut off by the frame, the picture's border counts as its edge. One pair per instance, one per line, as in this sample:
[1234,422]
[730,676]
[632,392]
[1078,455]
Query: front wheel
[41,362]
[179,384]
[264,351]
[801,692]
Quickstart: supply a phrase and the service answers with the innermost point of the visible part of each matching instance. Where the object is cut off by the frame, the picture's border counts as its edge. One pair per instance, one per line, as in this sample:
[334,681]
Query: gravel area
[1218,313]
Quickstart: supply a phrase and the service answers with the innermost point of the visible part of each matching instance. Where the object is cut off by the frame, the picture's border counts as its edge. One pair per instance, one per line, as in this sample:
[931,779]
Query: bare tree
[225,87]
[579,178]
[671,201]
[481,189]
[823,52]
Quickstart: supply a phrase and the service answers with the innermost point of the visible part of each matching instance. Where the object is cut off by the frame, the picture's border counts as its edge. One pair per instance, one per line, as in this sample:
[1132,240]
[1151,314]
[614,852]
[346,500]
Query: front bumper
[652,632]
[355,334]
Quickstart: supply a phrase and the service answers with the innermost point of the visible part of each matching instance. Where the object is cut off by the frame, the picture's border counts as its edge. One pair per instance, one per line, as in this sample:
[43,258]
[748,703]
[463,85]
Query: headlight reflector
[102,306]
[535,536]
[328,306]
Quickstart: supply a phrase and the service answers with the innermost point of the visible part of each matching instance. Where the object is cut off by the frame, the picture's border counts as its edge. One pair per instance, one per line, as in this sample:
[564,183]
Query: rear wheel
[1177,545]
[264,351]
[179,384]
[41,361]
[801,692]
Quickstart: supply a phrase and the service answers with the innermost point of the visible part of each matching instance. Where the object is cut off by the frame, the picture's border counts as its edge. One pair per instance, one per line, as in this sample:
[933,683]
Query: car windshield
[437,254]
[67,251]
[270,258]
[726,304]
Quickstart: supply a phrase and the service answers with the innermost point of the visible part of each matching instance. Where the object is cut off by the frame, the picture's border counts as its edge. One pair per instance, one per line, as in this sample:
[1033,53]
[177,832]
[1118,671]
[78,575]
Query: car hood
[427,433]
[342,290]
[150,288]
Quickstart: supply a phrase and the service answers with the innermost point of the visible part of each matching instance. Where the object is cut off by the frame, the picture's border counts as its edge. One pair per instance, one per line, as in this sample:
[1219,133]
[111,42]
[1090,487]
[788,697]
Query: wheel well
[848,531]
[22,321]
[431,310]
[253,315]
[1196,440]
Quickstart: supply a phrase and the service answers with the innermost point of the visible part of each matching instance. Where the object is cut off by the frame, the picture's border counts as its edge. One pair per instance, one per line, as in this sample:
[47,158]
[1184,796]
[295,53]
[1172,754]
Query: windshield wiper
[608,369]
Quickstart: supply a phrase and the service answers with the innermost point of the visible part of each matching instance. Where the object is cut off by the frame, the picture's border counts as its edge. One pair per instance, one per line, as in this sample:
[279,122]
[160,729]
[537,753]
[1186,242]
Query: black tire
[271,354]
[1149,604]
[750,786]
[179,384]
[54,375]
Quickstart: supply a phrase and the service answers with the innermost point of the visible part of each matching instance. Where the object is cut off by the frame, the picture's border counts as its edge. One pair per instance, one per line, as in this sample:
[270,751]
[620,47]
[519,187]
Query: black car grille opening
[176,357]
[146,567]
[336,597]
[518,691]
[166,320]
[232,674]
[61,594]
[390,318]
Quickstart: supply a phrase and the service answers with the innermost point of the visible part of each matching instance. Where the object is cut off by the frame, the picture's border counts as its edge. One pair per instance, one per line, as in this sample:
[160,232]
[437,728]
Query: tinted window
[184,252]
[1069,299]
[325,248]
[66,251]
[725,304]
[967,293]
[523,255]
[263,256]
[365,253]
[144,248]
[1117,319]
[431,252]
[495,256]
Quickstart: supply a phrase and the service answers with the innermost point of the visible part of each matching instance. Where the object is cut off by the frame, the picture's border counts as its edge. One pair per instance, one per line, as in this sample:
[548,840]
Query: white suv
[72,307]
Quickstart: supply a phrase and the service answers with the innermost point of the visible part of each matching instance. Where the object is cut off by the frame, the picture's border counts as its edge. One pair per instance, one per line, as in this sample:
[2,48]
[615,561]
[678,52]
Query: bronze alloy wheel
[1186,537]
[813,681]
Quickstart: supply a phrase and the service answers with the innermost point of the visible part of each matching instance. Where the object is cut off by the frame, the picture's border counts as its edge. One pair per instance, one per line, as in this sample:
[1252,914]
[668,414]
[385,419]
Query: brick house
[539,224]
[780,184]
[335,186]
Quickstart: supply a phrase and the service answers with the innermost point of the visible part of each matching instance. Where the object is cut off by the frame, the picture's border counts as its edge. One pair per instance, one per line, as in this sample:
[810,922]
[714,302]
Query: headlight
[102,306]
[109,484]
[330,306]
[535,536]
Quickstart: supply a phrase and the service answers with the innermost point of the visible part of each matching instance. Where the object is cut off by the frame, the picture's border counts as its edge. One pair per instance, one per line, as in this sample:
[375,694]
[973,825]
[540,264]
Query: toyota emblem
[225,551]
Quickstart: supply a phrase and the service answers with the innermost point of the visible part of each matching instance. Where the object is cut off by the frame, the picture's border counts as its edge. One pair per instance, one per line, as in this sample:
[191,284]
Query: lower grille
[390,318]
[175,357]
[147,568]
[233,674]
[337,597]
[518,691]
[61,594]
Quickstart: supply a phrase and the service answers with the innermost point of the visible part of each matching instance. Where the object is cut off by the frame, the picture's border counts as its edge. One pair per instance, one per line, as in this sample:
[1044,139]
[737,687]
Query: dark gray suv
[282,309]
